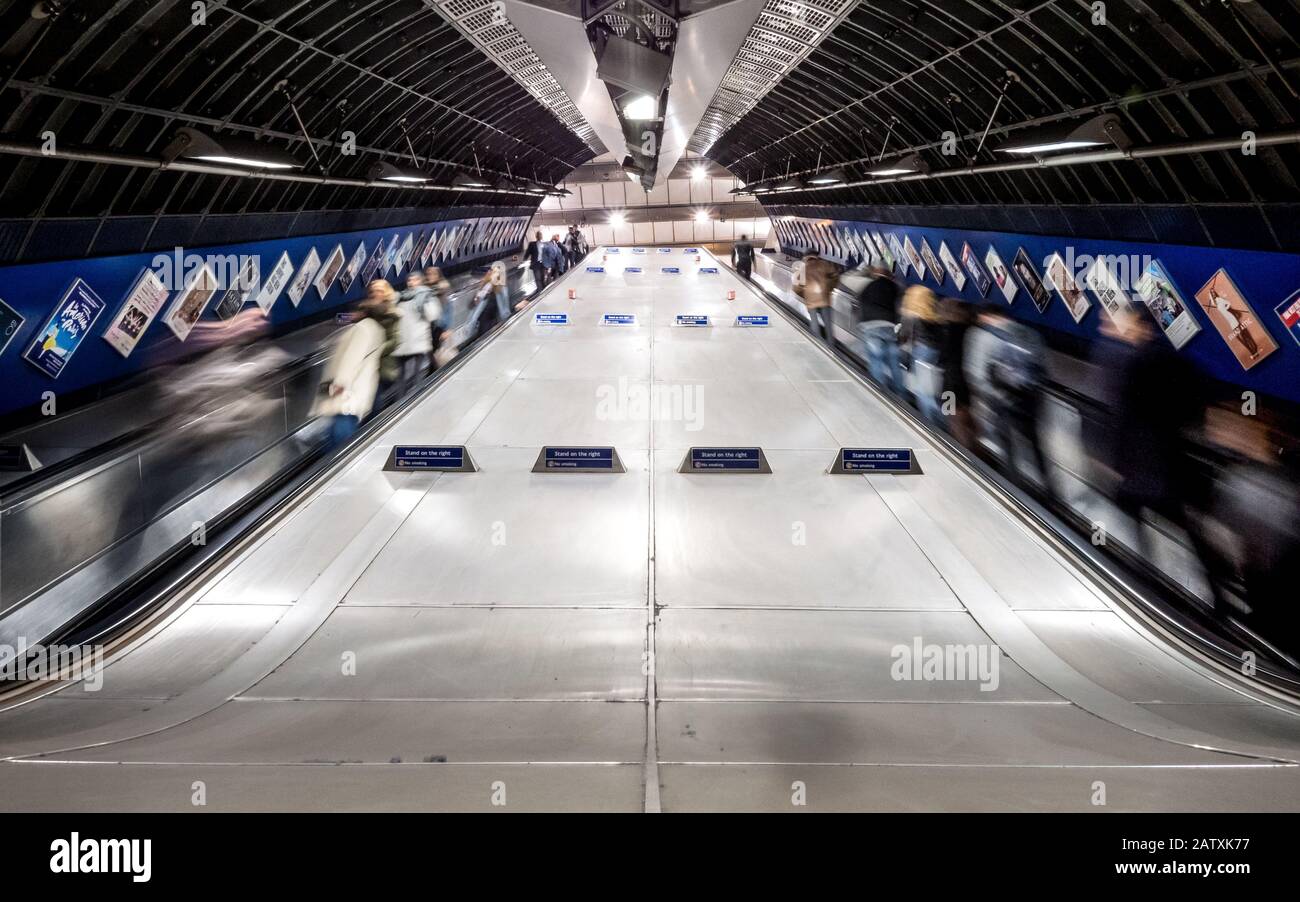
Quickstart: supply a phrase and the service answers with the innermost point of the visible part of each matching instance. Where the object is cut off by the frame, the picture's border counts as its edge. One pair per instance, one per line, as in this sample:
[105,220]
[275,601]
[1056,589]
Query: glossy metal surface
[649,639]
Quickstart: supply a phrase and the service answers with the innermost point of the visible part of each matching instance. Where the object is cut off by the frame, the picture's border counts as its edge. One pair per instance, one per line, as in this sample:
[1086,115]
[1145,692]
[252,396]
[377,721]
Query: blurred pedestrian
[350,382]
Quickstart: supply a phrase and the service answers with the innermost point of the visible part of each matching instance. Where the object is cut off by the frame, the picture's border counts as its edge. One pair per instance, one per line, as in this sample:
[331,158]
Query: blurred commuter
[1255,502]
[742,257]
[921,338]
[533,256]
[1008,370]
[819,278]
[350,383]
[416,308]
[958,317]
[878,322]
[1156,400]
[440,326]
[573,245]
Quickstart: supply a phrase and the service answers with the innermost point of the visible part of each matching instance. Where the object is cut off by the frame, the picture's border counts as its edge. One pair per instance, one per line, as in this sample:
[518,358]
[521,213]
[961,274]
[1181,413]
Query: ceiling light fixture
[829,177]
[641,108]
[912,163]
[191,144]
[384,171]
[1099,131]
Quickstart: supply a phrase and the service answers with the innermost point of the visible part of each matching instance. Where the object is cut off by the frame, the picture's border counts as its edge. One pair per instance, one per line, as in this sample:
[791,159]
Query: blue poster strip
[579,458]
[876,459]
[428,457]
[65,330]
[725,458]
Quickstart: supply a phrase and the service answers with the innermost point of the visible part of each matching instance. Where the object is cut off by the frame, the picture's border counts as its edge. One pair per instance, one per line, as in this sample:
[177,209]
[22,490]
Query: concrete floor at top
[648,640]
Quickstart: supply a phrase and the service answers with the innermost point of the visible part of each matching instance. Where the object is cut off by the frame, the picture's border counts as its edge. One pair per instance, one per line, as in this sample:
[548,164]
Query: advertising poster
[390,258]
[10,323]
[950,264]
[414,256]
[1157,291]
[237,295]
[1060,278]
[302,281]
[274,284]
[427,251]
[1114,300]
[1028,276]
[936,268]
[918,265]
[329,272]
[349,274]
[65,330]
[976,269]
[886,253]
[142,304]
[187,308]
[1235,320]
[371,269]
[404,252]
[1288,312]
[1001,276]
[899,254]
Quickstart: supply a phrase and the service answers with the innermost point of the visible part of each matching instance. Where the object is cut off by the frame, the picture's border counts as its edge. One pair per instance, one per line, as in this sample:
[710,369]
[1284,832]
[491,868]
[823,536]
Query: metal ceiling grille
[485,23]
[785,33]
[893,76]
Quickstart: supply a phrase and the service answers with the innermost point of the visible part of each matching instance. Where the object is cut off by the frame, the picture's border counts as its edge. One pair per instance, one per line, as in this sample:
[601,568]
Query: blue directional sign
[551,319]
[631,269]
[665,250]
[672,269]
[595,269]
[638,250]
[755,320]
[578,459]
[692,319]
[430,457]
[709,270]
[618,319]
[690,250]
[725,460]
[874,460]
[611,250]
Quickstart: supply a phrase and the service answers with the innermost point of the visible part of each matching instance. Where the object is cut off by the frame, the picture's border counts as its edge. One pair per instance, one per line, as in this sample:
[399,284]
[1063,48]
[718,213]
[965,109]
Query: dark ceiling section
[123,76]
[1172,70]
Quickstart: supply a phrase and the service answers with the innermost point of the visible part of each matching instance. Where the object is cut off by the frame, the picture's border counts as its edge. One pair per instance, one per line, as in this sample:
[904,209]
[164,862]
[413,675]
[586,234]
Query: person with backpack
[742,257]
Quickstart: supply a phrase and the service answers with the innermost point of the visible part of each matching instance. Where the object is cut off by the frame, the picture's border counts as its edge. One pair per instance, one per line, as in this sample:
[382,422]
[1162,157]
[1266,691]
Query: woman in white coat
[351,379]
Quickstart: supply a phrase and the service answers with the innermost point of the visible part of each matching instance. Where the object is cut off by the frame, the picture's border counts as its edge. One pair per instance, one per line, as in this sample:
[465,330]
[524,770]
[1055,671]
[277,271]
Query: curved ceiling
[123,76]
[1172,70]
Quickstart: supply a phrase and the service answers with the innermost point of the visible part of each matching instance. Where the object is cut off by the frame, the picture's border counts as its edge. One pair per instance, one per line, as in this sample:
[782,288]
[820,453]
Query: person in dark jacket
[878,327]
[533,255]
[742,256]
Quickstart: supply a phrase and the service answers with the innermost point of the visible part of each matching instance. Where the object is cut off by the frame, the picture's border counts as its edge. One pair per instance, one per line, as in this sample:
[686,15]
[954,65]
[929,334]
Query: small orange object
[731,294]
[573,293]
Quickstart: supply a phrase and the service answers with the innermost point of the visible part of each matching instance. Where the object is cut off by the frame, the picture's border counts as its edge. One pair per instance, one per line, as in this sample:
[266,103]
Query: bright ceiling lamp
[789,184]
[908,165]
[617,219]
[829,177]
[701,217]
[389,172]
[641,107]
[470,180]
[699,173]
[1099,131]
[192,144]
